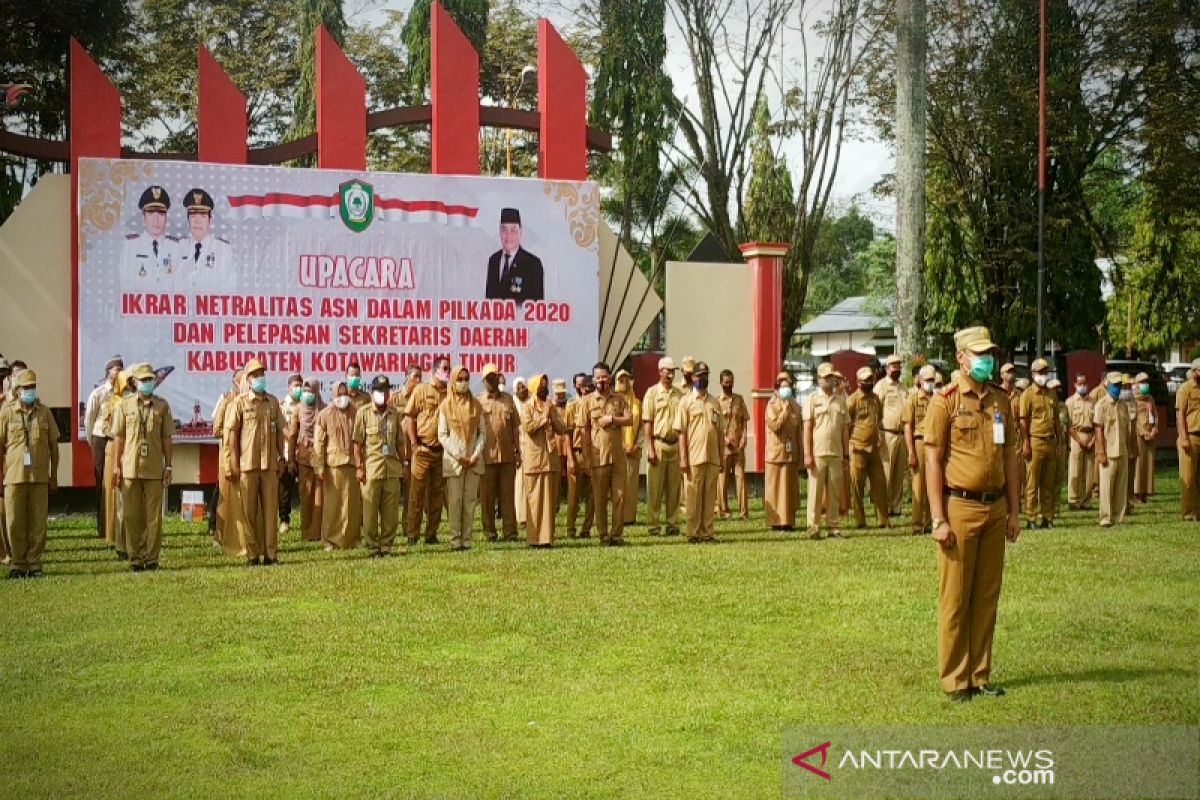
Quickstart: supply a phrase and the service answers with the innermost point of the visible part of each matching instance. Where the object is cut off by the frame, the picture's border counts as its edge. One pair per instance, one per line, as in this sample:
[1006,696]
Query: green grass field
[655,670]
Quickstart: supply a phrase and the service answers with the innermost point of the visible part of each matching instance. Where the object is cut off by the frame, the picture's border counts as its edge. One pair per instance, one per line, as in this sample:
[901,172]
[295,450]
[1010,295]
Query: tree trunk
[910,174]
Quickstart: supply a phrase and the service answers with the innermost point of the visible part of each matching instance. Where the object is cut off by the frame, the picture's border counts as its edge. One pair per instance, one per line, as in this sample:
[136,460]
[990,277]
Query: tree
[837,271]
[769,205]
[511,47]
[910,173]
[312,15]
[471,16]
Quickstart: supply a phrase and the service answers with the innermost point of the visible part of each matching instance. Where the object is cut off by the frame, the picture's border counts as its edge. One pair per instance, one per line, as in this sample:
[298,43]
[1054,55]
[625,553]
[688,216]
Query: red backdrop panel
[341,108]
[562,100]
[221,114]
[454,82]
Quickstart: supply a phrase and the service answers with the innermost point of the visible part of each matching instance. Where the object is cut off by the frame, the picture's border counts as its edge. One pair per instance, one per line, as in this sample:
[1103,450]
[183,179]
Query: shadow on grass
[1114,675]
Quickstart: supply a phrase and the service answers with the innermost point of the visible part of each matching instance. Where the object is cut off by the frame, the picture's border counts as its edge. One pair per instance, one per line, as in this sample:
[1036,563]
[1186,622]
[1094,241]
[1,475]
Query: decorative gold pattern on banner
[581,207]
[102,186]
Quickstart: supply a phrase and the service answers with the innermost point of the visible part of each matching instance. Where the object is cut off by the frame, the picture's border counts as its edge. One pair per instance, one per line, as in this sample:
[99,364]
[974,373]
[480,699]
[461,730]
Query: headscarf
[306,415]
[630,433]
[462,411]
[517,401]
[339,422]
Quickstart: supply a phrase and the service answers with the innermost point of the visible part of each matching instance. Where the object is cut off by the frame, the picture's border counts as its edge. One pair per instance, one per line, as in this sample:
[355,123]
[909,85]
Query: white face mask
[1041,379]
[341,401]
[379,397]
[1126,395]
[929,387]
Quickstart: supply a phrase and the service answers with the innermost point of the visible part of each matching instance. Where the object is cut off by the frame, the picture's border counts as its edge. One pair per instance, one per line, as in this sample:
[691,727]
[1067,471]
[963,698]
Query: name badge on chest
[997,428]
[28,459]
[144,450]
[387,450]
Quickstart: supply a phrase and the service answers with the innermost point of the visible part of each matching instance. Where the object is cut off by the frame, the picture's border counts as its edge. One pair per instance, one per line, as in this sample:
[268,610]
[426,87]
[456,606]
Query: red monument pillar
[766,269]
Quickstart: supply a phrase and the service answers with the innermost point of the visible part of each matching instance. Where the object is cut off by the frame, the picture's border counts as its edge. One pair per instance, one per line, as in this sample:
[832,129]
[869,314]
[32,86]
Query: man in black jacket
[513,272]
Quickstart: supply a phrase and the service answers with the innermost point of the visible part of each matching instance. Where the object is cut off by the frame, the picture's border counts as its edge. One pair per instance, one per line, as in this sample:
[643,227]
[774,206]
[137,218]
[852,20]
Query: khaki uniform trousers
[1079,478]
[341,508]
[1040,479]
[230,519]
[633,469]
[114,530]
[462,492]
[608,500]
[702,502]
[895,468]
[496,486]
[260,512]
[825,481]
[381,513]
[868,468]
[921,518]
[1062,456]
[5,546]
[579,492]
[1143,478]
[969,577]
[1114,485]
[141,511]
[426,496]
[311,497]
[26,506]
[733,465]
[1189,478]
[663,483]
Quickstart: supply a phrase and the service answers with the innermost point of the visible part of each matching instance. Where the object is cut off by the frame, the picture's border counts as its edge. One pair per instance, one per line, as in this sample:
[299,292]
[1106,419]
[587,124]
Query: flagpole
[1041,275]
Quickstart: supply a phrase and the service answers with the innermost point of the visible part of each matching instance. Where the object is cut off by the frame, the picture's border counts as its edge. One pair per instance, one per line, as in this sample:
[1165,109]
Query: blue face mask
[785,392]
[1114,391]
[258,385]
[29,396]
[146,388]
[981,367]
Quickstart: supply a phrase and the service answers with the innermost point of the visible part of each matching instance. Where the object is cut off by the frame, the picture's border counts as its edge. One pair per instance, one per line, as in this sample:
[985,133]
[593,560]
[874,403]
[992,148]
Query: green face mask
[981,367]
[1144,389]
[296,392]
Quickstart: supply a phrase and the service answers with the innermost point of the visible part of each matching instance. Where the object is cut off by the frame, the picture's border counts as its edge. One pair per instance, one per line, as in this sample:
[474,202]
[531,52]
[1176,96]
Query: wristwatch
[937,523]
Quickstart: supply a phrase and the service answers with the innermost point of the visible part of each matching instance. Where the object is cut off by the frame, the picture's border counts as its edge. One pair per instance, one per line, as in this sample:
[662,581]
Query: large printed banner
[197,268]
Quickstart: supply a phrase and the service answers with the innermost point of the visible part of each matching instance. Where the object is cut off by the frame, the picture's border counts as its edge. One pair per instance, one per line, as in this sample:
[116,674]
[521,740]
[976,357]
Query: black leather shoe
[34,573]
[14,574]
[252,562]
[963,696]
[136,568]
[270,562]
[122,556]
[151,567]
[990,690]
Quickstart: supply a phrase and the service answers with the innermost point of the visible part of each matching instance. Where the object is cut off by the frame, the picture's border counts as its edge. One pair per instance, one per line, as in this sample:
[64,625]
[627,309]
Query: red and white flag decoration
[282,205]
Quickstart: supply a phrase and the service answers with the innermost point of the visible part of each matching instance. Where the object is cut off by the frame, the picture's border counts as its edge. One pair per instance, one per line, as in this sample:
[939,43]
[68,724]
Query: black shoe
[270,562]
[252,562]
[655,532]
[375,555]
[990,690]
[150,567]
[14,574]
[34,573]
[963,696]
[431,540]
[1030,525]
[122,556]
[1046,524]
[672,531]
[136,568]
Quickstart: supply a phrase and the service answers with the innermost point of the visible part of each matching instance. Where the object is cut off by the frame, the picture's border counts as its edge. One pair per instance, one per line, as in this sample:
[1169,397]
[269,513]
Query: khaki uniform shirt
[866,414]
[735,415]
[359,399]
[1112,417]
[27,430]
[961,421]
[1080,410]
[328,450]
[384,443]
[661,406]
[1147,417]
[540,432]
[1038,409]
[784,432]
[829,420]
[255,422]
[147,427]
[423,406]
[575,422]
[1188,399]
[700,418]
[607,443]
[502,427]
[915,409]
[894,397]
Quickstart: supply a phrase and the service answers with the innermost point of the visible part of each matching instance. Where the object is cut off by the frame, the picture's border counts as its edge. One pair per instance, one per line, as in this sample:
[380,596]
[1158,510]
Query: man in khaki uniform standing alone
[1040,436]
[701,431]
[501,455]
[1111,420]
[735,418]
[1080,408]
[380,455]
[660,406]
[603,414]
[973,472]
[866,461]
[915,409]
[29,442]
[894,396]
[426,483]
[254,442]
[143,427]
[1187,418]
[826,443]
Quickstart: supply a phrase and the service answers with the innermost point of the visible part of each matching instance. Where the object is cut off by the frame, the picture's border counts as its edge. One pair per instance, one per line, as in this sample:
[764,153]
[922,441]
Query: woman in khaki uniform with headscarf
[462,434]
[632,438]
[228,532]
[341,497]
[302,447]
[781,494]
[114,532]
[541,426]
[1145,426]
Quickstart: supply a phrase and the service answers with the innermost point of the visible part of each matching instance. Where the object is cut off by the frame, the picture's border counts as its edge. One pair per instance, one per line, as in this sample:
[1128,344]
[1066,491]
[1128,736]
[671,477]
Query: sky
[865,159]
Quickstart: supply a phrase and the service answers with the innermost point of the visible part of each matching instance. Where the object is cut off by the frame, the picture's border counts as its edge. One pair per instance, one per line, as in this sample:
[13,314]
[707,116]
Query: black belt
[987,498]
[665,440]
[435,448]
[1043,436]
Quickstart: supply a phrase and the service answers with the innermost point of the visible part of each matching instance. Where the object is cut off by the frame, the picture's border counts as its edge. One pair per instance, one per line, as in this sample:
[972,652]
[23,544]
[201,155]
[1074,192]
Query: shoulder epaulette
[132,236]
[948,390]
[222,239]
[170,238]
